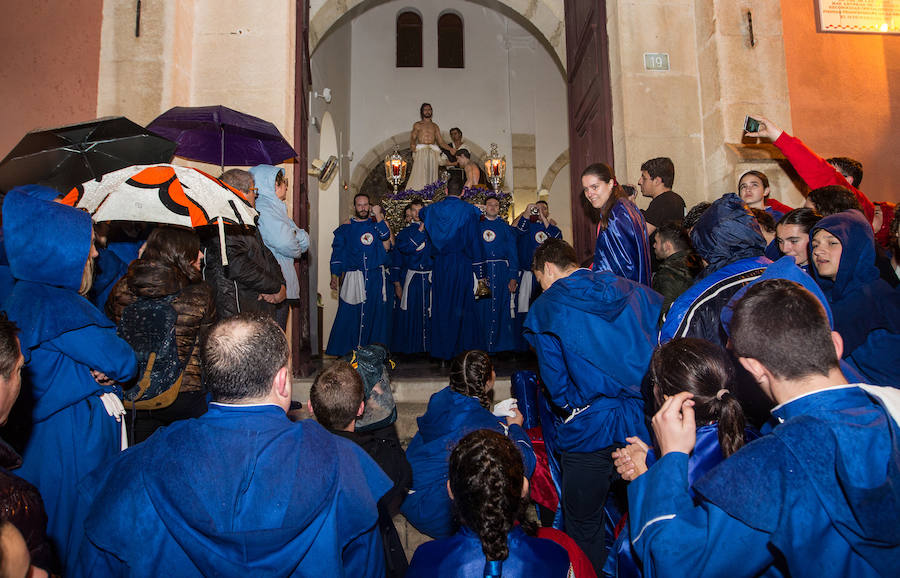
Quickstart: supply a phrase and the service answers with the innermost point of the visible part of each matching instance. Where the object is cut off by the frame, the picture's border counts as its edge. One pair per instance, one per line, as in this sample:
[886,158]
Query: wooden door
[300,318]
[590,106]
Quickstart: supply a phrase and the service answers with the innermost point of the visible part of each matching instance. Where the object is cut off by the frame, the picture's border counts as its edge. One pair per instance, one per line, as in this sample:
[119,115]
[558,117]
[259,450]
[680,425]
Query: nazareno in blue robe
[530,234]
[820,496]
[866,308]
[623,247]
[594,333]
[412,325]
[240,491]
[357,246]
[63,336]
[501,265]
[452,226]
[461,556]
[449,417]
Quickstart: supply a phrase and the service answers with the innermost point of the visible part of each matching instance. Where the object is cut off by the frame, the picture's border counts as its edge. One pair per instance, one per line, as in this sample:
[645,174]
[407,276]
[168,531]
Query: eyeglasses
[252,190]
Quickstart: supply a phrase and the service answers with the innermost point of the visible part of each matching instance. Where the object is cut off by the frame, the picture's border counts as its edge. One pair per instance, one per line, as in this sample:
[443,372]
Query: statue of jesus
[425,141]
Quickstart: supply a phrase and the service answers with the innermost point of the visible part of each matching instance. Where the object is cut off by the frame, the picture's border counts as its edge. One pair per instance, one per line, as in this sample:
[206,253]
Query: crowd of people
[725,403]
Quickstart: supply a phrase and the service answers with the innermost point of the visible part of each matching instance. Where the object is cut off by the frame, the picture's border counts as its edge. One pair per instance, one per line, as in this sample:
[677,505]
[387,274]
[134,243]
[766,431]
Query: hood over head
[857,267]
[46,242]
[727,232]
[264,177]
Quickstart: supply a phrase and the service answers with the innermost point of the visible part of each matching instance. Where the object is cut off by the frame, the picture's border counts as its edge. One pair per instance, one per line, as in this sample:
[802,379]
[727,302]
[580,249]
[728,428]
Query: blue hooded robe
[412,323]
[623,247]
[63,336]
[452,226]
[358,246]
[501,265]
[594,333]
[240,491]
[279,232]
[449,418]
[728,238]
[820,497]
[866,308]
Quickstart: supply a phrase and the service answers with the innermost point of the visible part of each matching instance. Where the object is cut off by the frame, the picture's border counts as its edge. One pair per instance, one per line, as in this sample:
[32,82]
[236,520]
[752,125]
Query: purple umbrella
[222,136]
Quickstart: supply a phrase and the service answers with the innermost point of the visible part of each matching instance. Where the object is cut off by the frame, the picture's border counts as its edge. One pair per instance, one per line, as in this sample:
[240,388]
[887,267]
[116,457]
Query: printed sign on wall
[864,16]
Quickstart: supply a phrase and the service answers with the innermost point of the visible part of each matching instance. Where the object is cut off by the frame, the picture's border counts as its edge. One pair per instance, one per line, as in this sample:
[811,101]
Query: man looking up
[358,258]
[593,333]
[805,500]
[657,177]
[241,490]
[425,141]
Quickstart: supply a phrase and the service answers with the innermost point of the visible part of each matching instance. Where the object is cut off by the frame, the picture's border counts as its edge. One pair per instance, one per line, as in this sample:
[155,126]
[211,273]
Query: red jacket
[816,171]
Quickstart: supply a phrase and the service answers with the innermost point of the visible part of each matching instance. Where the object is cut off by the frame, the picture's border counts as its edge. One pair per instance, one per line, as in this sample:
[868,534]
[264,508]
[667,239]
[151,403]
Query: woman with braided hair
[453,412]
[490,494]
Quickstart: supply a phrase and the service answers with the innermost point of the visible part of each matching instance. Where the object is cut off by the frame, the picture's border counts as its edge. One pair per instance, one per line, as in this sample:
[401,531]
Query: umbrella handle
[222,242]
[222,157]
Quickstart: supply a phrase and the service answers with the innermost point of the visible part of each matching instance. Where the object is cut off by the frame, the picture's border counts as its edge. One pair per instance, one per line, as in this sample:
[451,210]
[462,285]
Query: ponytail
[730,416]
[469,375]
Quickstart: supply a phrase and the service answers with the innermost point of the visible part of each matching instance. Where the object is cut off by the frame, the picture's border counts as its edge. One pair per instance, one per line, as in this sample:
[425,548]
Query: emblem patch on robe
[488,235]
[367,238]
[540,237]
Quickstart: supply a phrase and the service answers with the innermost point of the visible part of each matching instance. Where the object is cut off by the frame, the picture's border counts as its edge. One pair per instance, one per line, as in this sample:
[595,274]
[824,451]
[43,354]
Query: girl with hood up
[72,357]
[281,235]
[866,309]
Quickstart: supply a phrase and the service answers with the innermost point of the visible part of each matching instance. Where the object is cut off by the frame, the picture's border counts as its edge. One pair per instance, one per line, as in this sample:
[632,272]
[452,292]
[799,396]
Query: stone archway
[545,19]
[376,155]
[550,176]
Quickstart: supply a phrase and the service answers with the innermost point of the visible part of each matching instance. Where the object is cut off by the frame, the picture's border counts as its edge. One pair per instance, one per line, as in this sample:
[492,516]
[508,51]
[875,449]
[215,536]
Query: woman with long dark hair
[490,495]
[460,408]
[707,371]
[169,270]
[622,245]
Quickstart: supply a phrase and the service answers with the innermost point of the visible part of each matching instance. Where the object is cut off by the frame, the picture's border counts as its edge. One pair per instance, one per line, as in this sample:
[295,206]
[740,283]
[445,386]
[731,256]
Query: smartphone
[750,124]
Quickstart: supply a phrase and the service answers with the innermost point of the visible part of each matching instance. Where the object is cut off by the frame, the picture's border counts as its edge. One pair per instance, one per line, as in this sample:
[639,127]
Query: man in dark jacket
[728,239]
[678,265]
[252,279]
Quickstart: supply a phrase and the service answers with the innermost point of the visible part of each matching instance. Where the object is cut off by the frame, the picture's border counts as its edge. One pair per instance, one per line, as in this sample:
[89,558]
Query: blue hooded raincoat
[866,309]
[63,337]
[281,235]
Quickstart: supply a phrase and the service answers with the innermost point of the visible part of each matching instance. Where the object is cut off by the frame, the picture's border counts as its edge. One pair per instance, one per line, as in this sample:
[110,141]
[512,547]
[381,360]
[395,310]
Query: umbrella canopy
[65,156]
[162,194]
[222,136]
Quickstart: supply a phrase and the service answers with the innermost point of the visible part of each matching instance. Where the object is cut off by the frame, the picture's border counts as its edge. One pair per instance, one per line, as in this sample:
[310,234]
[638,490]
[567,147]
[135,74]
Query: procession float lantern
[395,168]
[495,167]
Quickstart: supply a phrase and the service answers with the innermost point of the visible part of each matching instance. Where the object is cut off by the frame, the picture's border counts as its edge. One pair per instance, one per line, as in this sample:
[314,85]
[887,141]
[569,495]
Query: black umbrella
[69,155]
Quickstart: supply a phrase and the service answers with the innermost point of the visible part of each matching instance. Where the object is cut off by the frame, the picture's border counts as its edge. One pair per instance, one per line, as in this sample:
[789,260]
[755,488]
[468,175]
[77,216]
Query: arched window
[409,40]
[450,41]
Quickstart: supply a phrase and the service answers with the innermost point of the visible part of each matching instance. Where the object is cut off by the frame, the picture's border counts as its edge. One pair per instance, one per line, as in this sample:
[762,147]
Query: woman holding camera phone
[622,245]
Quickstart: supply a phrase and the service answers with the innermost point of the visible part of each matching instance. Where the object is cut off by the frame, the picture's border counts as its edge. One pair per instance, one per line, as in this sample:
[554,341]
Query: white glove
[505,407]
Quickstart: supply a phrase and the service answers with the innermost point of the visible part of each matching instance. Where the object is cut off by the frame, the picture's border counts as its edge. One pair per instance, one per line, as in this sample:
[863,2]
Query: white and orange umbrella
[163,193]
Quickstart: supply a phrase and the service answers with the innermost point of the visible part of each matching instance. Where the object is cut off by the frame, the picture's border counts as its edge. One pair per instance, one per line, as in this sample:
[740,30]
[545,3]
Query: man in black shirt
[657,176]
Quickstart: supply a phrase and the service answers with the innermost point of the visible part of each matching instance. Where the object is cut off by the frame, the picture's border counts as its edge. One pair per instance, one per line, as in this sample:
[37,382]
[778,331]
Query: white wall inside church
[510,83]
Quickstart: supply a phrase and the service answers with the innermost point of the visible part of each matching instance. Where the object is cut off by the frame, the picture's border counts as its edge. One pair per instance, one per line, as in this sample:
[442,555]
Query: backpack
[372,362]
[148,325]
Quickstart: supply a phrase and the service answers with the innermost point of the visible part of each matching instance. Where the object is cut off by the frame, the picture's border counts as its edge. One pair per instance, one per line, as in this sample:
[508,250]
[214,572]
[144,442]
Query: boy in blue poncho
[820,496]
[242,490]
[66,342]
[594,334]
